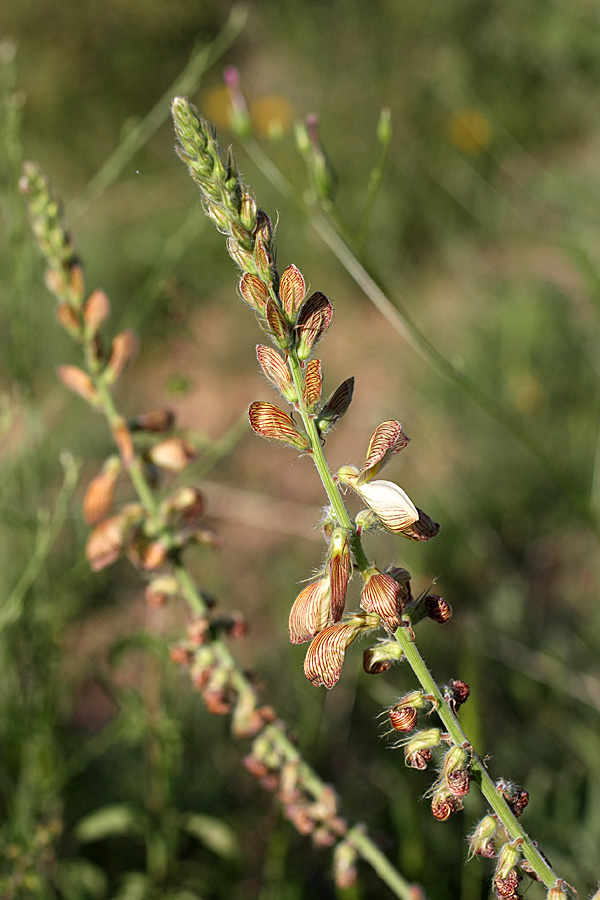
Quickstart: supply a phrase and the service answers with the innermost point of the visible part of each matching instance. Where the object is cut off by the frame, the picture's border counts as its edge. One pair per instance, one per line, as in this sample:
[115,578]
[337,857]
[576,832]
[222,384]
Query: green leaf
[107,821]
[213,833]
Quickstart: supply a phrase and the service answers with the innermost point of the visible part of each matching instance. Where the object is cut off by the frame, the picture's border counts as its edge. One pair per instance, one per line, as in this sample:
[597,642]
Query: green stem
[331,488]
[488,789]
[380,864]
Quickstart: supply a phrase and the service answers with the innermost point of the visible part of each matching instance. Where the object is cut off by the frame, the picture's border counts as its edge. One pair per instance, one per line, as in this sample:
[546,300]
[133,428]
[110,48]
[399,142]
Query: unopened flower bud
[313,384]
[278,327]
[254,292]
[387,440]
[173,454]
[335,407]
[310,612]
[314,318]
[124,348]
[100,491]
[292,289]
[79,382]
[277,372]
[344,865]
[338,568]
[96,311]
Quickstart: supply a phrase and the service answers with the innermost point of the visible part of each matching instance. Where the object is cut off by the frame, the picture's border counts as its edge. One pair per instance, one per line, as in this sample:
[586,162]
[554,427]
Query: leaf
[214,833]
[108,821]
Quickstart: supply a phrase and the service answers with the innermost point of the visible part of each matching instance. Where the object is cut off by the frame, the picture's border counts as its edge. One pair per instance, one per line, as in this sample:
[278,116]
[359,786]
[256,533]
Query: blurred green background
[485,227]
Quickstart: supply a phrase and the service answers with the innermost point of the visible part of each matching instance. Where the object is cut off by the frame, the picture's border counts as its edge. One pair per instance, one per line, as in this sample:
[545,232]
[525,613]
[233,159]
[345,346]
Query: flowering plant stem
[65,279]
[487,786]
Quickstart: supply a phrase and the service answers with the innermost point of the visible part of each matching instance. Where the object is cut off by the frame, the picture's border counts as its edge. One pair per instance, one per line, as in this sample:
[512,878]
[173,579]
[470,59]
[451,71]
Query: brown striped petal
[387,440]
[339,571]
[275,369]
[292,289]
[325,656]
[313,384]
[310,612]
[254,292]
[313,321]
[274,424]
[380,595]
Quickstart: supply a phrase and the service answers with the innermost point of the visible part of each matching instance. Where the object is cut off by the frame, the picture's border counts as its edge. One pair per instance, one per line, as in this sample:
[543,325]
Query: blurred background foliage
[114,781]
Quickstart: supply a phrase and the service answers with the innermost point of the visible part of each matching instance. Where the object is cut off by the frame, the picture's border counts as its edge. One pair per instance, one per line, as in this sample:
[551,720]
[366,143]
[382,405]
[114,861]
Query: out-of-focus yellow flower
[272,116]
[470,130]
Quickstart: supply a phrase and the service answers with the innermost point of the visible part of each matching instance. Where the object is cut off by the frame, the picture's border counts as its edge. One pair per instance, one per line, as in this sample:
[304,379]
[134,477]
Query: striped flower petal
[325,656]
[310,612]
[274,424]
[387,440]
[380,595]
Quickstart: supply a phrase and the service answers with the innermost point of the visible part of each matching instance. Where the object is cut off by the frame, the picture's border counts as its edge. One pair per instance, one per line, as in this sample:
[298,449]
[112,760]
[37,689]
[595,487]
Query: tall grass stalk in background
[294,323]
[160,522]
